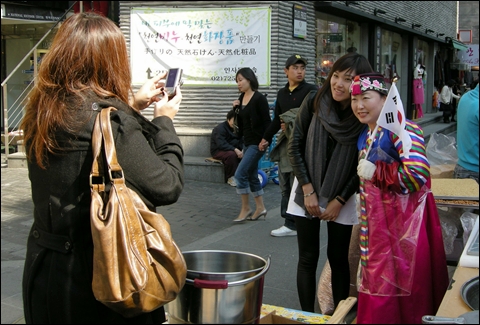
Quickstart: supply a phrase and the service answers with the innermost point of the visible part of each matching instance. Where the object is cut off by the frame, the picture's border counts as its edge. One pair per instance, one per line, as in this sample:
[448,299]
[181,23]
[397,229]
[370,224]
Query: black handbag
[236,109]
[236,128]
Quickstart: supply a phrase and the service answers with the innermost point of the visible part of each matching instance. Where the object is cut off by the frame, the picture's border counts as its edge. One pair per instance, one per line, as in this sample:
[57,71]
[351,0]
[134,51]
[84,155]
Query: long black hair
[352,62]
[248,74]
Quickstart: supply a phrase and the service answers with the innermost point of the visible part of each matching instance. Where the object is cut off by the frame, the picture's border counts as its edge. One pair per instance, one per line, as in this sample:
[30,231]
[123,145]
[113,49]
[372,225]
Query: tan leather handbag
[137,266]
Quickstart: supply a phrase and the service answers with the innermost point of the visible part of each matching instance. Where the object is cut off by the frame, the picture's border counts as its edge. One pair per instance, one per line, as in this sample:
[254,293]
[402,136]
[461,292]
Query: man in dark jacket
[227,147]
[288,97]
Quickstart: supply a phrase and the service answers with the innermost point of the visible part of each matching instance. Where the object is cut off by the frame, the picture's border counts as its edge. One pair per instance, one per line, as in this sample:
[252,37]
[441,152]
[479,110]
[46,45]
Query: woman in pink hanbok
[403,271]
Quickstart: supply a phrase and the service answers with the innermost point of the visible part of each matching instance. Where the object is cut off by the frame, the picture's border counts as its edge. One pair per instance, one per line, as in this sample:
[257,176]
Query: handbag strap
[102,134]
[108,142]
[97,165]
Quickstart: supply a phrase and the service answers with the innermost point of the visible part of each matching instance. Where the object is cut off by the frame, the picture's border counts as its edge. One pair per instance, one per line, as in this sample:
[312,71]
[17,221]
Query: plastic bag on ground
[442,155]
[468,221]
[324,291]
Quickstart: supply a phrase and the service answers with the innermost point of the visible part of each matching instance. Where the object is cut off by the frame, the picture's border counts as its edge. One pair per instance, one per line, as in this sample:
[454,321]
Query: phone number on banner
[223,78]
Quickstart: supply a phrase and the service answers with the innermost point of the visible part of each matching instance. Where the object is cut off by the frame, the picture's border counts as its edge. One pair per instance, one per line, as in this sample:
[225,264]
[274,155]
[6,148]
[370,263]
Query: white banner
[210,45]
[469,56]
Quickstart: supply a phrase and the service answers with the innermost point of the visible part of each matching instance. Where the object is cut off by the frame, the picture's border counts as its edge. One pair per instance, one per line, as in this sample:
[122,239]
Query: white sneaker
[283,231]
[231,182]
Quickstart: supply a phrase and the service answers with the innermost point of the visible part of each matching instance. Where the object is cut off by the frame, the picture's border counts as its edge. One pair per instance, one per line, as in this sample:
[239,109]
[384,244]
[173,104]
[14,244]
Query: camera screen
[172,74]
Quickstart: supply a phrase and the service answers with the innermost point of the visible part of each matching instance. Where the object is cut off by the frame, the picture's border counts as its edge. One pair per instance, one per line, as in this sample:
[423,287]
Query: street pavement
[200,220]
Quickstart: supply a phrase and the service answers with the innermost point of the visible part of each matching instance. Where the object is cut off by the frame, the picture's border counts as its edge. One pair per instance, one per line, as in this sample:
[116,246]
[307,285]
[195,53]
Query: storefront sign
[299,21]
[335,38]
[469,56]
[210,45]
[30,13]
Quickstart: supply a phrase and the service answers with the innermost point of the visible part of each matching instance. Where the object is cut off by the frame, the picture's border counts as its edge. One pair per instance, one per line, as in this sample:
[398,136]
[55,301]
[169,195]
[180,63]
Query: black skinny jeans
[308,238]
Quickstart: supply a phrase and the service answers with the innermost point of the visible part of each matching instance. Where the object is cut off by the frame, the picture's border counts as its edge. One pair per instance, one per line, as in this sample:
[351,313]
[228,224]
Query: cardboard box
[455,189]
[285,315]
[272,318]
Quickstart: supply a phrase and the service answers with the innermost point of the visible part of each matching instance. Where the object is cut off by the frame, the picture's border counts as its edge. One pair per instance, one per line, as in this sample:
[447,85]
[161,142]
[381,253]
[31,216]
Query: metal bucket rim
[466,287]
[228,273]
[244,281]
[225,251]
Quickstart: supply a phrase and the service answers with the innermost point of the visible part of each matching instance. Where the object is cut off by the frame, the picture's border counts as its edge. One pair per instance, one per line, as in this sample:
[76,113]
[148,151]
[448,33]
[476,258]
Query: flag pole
[375,130]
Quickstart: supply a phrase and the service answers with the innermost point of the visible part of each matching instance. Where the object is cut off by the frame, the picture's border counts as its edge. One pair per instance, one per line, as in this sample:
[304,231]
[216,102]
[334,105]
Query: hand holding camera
[147,94]
[168,106]
[157,87]
[173,81]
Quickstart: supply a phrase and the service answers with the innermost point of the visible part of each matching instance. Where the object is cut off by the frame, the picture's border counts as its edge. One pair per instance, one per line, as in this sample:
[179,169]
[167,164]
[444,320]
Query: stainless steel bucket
[222,287]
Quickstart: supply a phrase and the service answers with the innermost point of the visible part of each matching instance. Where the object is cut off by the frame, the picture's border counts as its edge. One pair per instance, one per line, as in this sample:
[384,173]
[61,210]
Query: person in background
[227,147]
[404,272]
[446,96]
[253,120]
[435,98]
[86,70]
[474,83]
[467,136]
[455,91]
[288,97]
[323,154]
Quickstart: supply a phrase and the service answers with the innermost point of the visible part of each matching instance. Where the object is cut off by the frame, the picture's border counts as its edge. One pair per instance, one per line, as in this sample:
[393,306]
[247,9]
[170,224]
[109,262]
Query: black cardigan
[254,119]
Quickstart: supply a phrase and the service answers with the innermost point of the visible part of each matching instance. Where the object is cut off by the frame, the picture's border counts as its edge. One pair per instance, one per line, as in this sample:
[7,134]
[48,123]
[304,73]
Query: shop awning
[338,8]
[459,45]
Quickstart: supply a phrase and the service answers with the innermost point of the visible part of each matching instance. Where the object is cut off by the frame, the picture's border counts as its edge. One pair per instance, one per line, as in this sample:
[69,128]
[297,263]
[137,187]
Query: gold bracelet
[307,195]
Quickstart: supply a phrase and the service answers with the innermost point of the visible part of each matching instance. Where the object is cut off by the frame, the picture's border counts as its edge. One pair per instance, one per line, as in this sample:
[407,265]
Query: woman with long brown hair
[86,70]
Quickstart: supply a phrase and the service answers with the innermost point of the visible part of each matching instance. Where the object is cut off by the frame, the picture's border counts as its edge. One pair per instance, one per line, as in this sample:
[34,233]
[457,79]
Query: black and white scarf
[329,180]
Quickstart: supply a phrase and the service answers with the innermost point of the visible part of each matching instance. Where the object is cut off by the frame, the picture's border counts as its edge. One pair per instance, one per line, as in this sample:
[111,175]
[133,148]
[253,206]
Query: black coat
[285,101]
[57,279]
[223,139]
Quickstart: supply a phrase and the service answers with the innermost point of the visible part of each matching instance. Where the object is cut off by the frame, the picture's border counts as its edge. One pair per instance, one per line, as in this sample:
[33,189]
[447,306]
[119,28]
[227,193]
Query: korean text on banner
[210,45]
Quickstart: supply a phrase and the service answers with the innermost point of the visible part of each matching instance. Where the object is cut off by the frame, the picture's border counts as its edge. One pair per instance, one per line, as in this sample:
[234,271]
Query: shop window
[335,37]
[390,60]
[422,53]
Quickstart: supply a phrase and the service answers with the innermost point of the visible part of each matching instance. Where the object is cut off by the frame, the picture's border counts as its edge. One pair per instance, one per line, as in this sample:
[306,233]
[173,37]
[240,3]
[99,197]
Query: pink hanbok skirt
[429,279]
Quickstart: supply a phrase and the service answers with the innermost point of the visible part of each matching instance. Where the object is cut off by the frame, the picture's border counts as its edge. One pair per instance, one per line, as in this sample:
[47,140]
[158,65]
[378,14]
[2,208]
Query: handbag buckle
[118,171]
[92,182]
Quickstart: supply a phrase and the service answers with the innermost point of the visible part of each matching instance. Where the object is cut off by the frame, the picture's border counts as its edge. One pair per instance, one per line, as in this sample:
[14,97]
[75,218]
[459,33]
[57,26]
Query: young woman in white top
[446,96]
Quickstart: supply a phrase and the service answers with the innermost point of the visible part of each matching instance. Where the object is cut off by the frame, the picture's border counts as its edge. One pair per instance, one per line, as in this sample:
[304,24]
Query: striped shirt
[413,172]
